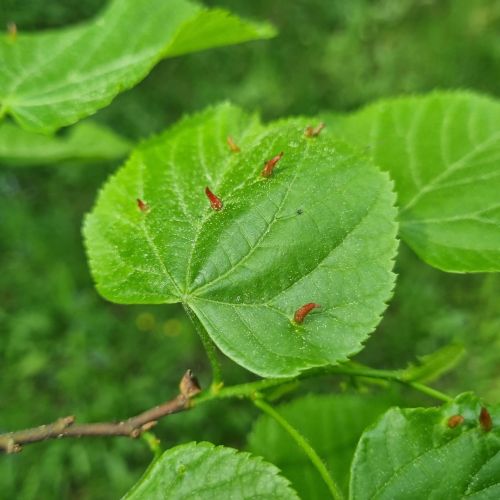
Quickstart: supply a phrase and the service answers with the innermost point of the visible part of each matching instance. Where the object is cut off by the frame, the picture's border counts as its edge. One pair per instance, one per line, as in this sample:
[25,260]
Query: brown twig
[133,427]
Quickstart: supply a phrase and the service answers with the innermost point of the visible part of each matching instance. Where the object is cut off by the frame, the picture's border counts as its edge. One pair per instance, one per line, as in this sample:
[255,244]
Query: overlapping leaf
[443,152]
[332,424]
[54,78]
[204,472]
[420,453]
[320,229]
[87,141]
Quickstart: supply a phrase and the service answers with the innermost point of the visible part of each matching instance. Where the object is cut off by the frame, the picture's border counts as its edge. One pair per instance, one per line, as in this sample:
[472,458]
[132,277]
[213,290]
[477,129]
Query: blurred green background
[64,350]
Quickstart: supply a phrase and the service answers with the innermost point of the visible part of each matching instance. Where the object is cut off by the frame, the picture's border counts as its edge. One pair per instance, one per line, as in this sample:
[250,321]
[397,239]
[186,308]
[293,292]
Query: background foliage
[64,350]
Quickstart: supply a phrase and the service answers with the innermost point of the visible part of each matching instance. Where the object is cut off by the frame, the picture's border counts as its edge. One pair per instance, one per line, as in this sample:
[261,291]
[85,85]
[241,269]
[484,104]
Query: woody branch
[133,427]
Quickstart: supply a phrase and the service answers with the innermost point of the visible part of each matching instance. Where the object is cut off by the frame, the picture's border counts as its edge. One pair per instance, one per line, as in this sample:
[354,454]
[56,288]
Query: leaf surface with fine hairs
[319,230]
[207,472]
[443,152]
[54,78]
[430,453]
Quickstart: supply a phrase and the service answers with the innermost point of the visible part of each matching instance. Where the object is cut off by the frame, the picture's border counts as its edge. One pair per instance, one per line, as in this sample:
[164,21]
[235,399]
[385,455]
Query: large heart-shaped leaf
[331,423]
[319,230]
[443,152]
[203,471]
[86,141]
[55,78]
[448,452]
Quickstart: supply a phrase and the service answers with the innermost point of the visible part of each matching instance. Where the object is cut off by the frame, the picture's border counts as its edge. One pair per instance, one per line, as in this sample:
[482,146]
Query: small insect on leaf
[142,205]
[269,165]
[311,131]
[485,420]
[215,202]
[455,421]
[232,145]
[303,311]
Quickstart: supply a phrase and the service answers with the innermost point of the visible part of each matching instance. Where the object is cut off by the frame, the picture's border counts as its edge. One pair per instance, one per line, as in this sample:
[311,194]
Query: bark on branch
[133,427]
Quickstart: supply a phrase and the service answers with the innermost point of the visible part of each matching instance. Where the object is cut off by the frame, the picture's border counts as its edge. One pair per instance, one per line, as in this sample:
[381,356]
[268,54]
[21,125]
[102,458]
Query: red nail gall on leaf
[215,202]
[303,311]
[267,171]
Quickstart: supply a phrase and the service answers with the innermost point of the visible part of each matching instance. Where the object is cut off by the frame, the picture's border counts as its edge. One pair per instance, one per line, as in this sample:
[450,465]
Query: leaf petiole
[217,382]
[350,369]
[304,445]
[153,443]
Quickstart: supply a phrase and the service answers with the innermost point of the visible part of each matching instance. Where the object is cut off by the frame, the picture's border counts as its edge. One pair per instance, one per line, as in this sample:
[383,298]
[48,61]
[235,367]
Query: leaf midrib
[44,98]
[449,169]
[320,262]
[236,349]
[269,227]
[405,466]
[218,182]
[149,239]
[15,84]
[148,56]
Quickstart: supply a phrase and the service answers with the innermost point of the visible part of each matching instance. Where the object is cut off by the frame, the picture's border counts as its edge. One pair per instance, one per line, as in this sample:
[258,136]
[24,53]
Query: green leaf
[331,423]
[204,471]
[414,454]
[320,229]
[431,366]
[54,78]
[442,150]
[87,141]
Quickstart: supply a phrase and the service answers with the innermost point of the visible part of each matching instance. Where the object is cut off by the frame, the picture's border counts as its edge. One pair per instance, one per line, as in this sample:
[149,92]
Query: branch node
[189,385]
[64,423]
[132,427]
[148,425]
[12,447]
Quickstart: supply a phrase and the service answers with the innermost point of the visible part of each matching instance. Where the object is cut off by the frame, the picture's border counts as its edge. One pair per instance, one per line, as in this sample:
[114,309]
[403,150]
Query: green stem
[153,443]
[304,445]
[241,390]
[357,370]
[433,393]
[3,111]
[350,369]
[209,346]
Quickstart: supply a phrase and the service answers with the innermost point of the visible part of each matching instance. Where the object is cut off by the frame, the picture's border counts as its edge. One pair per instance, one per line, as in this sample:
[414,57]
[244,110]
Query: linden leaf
[443,152]
[319,230]
[429,453]
[204,471]
[54,78]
